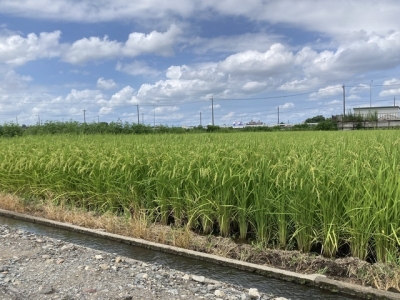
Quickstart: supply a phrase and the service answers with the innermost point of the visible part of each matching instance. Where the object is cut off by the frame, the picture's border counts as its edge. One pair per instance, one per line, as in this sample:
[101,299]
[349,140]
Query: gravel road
[38,267]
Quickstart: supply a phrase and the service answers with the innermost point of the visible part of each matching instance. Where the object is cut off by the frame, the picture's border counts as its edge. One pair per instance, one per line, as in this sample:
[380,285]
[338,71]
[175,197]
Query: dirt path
[37,267]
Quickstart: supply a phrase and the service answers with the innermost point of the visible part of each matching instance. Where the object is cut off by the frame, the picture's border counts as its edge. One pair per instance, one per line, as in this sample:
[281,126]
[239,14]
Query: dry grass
[381,276]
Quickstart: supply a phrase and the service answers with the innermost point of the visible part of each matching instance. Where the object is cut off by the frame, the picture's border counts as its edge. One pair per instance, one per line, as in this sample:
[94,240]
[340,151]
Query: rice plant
[299,190]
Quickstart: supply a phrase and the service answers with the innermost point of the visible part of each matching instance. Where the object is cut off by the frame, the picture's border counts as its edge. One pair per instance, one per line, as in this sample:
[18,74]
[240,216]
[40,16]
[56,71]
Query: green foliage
[328,124]
[303,126]
[213,128]
[257,128]
[351,117]
[10,130]
[316,119]
[282,189]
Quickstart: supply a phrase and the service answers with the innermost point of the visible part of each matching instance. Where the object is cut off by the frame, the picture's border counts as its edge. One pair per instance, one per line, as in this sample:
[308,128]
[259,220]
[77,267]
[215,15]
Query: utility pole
[84,116]
[278,114]
[38,119]
[212,109]
[394,100]
[137,109]
[344,101]
[200,119]
[16,118]
[142,118]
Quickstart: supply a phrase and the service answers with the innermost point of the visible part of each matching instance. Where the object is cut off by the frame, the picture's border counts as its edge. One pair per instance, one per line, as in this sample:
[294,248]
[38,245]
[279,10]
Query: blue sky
[169,58]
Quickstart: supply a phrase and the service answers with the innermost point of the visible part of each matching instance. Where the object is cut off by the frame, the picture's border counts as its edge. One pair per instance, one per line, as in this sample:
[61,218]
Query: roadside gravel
[37,267]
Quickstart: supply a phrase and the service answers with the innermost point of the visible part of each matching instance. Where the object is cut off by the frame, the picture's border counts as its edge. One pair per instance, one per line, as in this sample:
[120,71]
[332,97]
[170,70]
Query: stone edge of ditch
[317,280]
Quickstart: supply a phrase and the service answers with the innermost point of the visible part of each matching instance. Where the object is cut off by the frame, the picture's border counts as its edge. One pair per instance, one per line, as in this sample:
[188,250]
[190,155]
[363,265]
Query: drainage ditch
[188,265]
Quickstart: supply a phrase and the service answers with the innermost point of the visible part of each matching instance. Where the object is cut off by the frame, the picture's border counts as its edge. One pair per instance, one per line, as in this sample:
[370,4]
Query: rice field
[290,190]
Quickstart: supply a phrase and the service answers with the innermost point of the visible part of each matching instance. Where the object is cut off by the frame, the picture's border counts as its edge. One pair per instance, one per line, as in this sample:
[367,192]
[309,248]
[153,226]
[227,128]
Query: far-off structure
[379,112]
[371,117]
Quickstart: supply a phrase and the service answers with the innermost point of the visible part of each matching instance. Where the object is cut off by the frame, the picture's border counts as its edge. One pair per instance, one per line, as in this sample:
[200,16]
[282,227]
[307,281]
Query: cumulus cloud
[390,88]
[12,81]
[166,109]
[353,97]
[160,43]
[336,18]
[229,116]
[250,72]
[123,98]
[317,15]
[137,68]
[334,102]
[92,11]
[287,105]
[17,50]
[184,82]
[310,15]
[84,96]
[95,48]
[260,41]
[105,84]
[274,61]
[254,86]
[328,91]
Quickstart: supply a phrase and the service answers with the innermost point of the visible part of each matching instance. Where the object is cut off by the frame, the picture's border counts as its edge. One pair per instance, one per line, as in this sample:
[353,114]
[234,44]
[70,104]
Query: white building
[381,112]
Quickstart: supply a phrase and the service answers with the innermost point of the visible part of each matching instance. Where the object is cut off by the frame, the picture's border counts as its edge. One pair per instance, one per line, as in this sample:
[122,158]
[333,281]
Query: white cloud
[359,88]
[95,48]
[391,88]
[287,105]
[105,84]
[124,97]
[391,82]
[184,83]
[328,91]
[391,92]
[260,41]
[84,96]
[347,16]
[229,116]
[17,50]
[154,42]
[298,85]
[254,86]
[137,68]
[274,61]
[334,102]
[93,11]
[318,16]
[216,106]
[353,97]
[11,81]
[166,109]
[105,111]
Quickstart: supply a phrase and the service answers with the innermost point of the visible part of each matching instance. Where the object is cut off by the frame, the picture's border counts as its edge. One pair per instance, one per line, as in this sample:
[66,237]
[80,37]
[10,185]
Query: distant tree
[328,124]
[316,119]
[212,128]
[10,130]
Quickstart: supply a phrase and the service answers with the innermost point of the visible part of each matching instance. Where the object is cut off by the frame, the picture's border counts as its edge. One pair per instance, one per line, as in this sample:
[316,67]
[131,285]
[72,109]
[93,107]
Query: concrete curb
[317,280]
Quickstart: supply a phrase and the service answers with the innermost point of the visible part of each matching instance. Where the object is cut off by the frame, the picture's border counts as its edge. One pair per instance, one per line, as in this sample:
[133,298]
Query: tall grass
[304,190]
